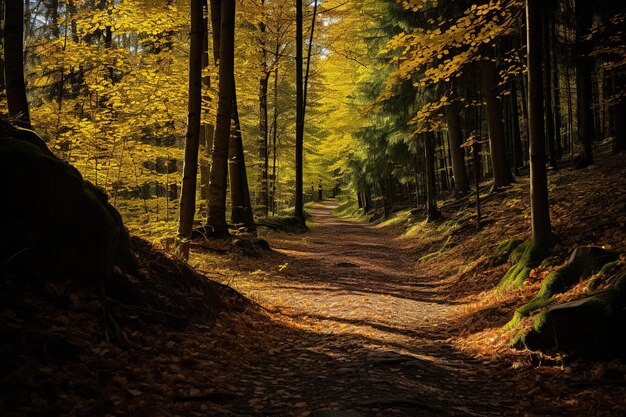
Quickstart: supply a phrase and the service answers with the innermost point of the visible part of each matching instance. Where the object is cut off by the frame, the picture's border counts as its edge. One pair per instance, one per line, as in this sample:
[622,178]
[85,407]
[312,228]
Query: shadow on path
[355,327]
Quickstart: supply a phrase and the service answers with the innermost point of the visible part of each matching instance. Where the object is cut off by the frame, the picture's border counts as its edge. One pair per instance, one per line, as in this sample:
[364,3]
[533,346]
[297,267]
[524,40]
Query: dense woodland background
[484,139]
[107,83]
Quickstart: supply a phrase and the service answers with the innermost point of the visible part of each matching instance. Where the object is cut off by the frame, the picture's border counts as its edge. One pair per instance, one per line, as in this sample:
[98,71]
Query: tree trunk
[619,118]
[275,135]
[518,159]
[524,102]
[206,130]
[241,209]
[443,164]
[584,80]
[192,139]
[455,138]
[216,31]
[550,134]
[14,63]
[539,206]
[308,60]
[299,203]
[216,219]
[431,200]
[416,173]
[263,125]
[501,171]
[556,90]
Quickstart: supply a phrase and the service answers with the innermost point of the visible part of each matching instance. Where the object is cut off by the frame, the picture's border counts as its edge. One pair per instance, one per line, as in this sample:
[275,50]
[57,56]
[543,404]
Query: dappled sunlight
[312,208]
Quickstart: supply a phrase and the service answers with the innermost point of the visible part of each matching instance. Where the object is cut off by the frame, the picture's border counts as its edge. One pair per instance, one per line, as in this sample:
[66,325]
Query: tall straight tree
[457,154]
[431,201]
[489,75]
[192,137]
[14,62]
[548,108]
[263,124]
[206,130]
[308,61]
[216,218]
[584,83]
[539,206]
[241,208]
[299,203]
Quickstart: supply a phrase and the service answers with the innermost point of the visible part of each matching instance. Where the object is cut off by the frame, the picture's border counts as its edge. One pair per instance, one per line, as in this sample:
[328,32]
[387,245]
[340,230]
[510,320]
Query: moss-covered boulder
[591,326]
[54,225]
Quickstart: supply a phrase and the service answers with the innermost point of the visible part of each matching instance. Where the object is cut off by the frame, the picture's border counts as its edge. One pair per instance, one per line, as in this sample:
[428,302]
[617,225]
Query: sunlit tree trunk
[455,138]
[501,171]
[14,62]
[192,139]
[241,209]
[308,60]
[275,133]
[539,207]
[216,219]
[299,202]
[263,124]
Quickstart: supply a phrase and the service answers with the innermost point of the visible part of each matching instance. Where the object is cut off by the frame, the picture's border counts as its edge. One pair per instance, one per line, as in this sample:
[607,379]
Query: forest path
[355,327]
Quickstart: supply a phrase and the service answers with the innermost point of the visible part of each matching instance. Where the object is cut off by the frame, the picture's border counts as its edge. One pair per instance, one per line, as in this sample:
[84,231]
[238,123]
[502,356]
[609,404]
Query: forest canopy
[108,89]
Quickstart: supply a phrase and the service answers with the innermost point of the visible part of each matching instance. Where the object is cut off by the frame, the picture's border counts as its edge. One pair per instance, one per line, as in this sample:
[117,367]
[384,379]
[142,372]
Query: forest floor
[401,318]
[355,326]
[349,319]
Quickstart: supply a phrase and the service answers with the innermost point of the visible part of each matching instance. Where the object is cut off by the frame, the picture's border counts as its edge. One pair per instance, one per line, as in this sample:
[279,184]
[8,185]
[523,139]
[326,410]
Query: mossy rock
[55,225]
[591,326]
[584,261]
[503,250]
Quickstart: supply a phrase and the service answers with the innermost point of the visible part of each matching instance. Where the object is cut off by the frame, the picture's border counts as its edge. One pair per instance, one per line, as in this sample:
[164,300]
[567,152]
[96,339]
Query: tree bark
[206,130]
[501,171]
[216,219]
[556,90]
[518,159]
[619,117]
[455,138]
[431,201]
[539,206]
[308,60]
[299,203]
[241,209]
[275,135]
[550,133]
[14,63]
[584,80]
[263,124]
[192,139]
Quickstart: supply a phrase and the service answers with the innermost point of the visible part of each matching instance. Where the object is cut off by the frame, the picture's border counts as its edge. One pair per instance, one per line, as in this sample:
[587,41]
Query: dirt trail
[355,327]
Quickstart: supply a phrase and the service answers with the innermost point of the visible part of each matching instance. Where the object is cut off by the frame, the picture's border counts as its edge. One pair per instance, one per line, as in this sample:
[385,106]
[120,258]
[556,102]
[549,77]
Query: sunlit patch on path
[370,332]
